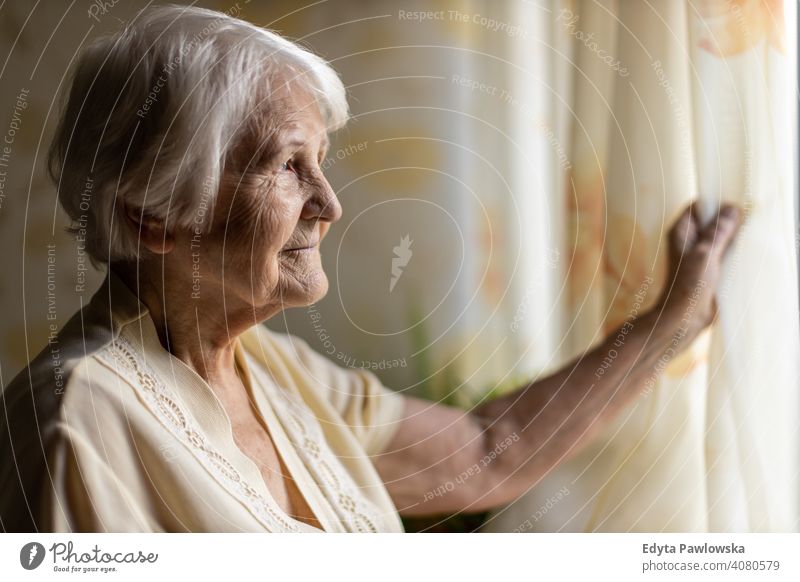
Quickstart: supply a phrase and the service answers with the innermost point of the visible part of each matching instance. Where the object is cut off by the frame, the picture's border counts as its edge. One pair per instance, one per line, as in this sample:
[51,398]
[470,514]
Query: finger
[721,231]
[685,230]
[694,210]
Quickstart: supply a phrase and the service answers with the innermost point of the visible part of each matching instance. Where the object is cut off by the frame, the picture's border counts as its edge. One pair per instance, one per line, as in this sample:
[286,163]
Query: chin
[317,290]
[306,292]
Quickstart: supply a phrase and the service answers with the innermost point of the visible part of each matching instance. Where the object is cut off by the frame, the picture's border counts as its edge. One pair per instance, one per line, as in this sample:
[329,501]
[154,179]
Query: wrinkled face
[272,212]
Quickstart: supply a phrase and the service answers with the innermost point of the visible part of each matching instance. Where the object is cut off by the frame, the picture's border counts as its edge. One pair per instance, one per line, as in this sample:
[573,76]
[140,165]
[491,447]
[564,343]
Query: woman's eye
[285,166]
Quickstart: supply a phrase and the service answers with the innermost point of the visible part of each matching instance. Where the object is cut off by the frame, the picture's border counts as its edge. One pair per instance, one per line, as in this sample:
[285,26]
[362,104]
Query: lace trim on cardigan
[303,429]
[161,400]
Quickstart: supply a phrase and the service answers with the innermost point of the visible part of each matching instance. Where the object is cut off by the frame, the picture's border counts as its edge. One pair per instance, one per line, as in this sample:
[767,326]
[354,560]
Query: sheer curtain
[668,102]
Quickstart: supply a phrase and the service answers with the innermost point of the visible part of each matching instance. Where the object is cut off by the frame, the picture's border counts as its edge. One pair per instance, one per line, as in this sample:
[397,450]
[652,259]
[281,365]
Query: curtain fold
[702,110]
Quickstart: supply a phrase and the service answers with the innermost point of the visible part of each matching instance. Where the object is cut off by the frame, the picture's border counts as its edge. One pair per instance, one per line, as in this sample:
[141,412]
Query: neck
[195,329]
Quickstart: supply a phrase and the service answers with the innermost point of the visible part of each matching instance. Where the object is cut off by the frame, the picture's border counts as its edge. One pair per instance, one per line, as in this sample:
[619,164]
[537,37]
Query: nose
[323,204]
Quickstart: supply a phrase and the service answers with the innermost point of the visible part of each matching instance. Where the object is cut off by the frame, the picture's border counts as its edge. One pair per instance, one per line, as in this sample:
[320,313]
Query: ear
[153,233]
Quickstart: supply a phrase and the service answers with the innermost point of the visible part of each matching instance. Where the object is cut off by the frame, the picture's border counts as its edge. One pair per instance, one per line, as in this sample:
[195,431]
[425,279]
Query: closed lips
[302,248]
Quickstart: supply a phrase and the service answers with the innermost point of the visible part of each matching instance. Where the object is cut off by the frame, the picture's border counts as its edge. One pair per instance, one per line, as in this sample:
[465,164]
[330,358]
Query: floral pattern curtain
[671,102]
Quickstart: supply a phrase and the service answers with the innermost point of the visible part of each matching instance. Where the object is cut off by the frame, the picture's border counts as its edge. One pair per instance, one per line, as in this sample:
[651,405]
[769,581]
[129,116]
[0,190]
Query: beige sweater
[107,431]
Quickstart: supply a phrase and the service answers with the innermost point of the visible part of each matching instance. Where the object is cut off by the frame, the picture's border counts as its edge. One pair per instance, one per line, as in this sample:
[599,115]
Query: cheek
[260,222]
[262,226]
[278,221]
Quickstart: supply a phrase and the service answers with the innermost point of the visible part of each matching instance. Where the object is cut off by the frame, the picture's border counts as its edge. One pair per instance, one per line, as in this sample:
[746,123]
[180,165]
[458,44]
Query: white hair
[156,109]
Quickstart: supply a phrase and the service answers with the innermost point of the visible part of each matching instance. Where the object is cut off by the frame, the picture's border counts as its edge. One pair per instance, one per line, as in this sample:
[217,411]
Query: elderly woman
[189,154]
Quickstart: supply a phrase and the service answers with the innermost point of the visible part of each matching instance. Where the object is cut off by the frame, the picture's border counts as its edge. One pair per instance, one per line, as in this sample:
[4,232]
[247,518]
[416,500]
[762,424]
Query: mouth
[309,247]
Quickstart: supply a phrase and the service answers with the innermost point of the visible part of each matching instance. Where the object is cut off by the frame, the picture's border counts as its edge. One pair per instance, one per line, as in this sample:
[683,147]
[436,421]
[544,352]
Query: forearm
[443,460]
[551,418]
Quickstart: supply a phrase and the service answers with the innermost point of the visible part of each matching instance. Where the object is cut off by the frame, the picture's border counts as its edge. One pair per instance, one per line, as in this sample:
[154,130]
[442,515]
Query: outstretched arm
[444,460]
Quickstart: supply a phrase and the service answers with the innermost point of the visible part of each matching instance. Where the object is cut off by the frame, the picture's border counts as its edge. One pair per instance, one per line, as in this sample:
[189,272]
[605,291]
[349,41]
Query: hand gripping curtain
[670,102]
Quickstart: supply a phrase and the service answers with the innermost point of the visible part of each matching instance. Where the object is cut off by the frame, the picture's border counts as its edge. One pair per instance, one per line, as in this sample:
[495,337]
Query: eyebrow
[295,141]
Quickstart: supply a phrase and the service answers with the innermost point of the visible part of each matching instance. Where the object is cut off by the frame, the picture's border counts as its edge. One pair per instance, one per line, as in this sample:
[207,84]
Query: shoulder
[70,383]
[79,392]
[294,364]
[64,387]
[260,340]
[287,354]
[55,377]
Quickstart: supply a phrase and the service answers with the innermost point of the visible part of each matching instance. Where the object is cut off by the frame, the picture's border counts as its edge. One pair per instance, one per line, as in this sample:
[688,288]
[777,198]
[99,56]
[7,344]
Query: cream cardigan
[107,431]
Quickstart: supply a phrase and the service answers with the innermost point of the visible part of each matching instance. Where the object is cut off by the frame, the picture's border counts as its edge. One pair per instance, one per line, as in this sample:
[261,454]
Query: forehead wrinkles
[298,112]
